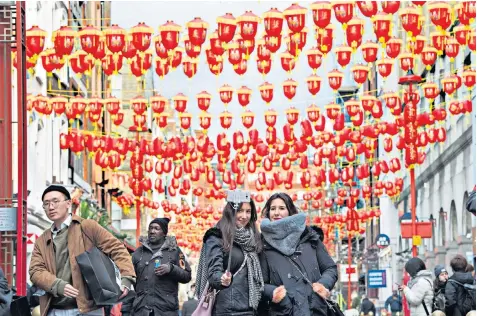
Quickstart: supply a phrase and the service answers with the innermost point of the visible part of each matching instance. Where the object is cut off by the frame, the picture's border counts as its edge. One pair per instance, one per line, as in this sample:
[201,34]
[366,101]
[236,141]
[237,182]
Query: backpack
[439,302]
[468,301]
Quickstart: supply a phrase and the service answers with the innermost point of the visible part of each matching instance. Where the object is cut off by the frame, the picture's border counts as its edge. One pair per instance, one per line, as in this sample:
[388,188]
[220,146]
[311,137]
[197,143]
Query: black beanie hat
[163,222]
[57,188]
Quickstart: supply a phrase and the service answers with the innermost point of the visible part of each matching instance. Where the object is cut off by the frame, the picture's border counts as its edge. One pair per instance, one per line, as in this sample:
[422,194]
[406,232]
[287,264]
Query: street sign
[346,269]
[383,241]
[376,279]
[8,219]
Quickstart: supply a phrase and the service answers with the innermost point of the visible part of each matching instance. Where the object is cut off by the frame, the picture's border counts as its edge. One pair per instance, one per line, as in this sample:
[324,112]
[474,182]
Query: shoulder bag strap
[423,300]
[84,234]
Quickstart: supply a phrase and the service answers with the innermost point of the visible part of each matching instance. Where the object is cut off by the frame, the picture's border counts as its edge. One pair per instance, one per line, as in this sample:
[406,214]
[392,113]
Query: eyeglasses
[54,204]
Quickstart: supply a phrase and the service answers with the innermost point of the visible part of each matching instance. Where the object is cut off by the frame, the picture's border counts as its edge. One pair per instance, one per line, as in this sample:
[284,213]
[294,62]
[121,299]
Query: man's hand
[279,294]
[125,292]
[322,291]
[70,291]
[163,269]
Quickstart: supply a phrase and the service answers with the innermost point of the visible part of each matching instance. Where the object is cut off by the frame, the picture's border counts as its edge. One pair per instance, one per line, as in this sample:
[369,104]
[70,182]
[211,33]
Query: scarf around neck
[284,234]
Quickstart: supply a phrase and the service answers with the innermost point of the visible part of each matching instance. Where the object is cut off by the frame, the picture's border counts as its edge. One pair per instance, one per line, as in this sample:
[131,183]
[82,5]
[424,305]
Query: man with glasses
[53,266]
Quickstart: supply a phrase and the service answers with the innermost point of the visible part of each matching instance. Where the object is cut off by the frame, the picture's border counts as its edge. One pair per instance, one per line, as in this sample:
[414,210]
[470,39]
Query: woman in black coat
[298,271]
[240,288]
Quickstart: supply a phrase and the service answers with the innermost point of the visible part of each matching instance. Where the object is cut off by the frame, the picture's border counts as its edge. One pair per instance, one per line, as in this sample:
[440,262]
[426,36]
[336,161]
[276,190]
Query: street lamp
[408,80]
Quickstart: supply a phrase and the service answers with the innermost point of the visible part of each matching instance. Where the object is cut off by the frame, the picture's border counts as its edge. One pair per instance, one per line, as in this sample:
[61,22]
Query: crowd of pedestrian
[280,267]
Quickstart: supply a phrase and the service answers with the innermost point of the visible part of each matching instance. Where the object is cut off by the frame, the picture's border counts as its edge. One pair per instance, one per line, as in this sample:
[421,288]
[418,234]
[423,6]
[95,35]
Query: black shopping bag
[20,306]
[100,274]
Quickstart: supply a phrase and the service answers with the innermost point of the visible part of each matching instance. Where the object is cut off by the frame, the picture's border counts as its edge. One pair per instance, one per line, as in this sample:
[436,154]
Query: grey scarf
[246,240]
[284,234]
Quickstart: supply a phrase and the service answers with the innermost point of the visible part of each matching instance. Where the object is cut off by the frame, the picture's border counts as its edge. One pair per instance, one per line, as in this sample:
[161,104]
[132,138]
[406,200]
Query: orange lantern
[266,92]
[169,32]
[295,16]
[226,27]
[243,95]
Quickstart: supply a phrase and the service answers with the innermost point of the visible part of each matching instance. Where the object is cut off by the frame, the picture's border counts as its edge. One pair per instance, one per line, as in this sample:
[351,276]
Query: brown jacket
[43,267]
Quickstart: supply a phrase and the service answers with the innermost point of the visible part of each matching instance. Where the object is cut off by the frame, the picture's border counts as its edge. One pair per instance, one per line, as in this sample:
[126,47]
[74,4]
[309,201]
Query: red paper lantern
[112,63]
[241,68]
[449,85]
[390,7]
[158,104]
[324,39]
[197,31]
[243,95]
[431,90]
[295,16]
[63,40]
[129,51]
[225,119]
[314,57]
[205,120]
[416,46]
[263,53]
[35,41]
[429,56]
[248,119]
[51,61]
[264,66]
[270,118]
[411,20]
[141,36]
[343,55]
[169,32]
[393,47]
[472,41]
[343,11]
[189,66]
[438,40]
[469,78]
[370,51]
[295,42]
[248,24]
[289,88]
[203,100]
[333,110]
[314,84]
[226,93]
[292,115]
[382,24]
[266,92]
[226,27]
[335,78]
[273,22]
[321,13]
[354,32]
[162,67]
[385,67]
[273,43]
[440,14]
[193,51]
[406,61]
[368,8]
[288,61]
[452,48]
[234,52]
[141,63]
[115,38]
[360,74]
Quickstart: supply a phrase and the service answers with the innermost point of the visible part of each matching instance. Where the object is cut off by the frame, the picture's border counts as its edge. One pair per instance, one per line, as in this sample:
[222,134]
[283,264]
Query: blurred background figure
[394,304]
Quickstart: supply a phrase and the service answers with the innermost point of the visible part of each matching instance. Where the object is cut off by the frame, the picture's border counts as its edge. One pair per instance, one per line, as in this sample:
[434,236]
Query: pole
[349,271]
[138,209]
[413,209]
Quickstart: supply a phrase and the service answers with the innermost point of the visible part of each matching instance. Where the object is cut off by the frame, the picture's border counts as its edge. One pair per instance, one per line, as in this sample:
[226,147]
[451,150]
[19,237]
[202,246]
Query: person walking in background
[459,300]
[240,286]
[53,267]
[190,305]
[367,307]
[298,271]
[160,266]
[419,291]
[439,303]
[394,303]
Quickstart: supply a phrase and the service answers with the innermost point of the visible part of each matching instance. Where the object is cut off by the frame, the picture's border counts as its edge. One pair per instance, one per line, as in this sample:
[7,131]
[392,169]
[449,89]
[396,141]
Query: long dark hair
[226,225]
[292,210]
[414,265]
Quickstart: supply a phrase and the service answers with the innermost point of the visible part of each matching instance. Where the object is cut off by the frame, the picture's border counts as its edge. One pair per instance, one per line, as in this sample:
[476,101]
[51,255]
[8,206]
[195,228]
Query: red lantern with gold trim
[289,88]
[295,16]
[452,48]
[243,95]
[273,43]
[314,84]
[333,110]
[439,40]
[115,38]
[343,11]
[324,39]
[270,118]
[197,31]
[321,13]
[264,66]
[449,85]
[227,25]
[390,7]
[248,25]
[141,63]
[158,104]
[406,61]
[287,61]
[139,105]
[440,14]
[263,53]
[266,92]
[411,20]
[469,78]
[248,119]
[205,120]
[193,51]
[360,74]
[382,25]
[64,40]
[292,115]
[189,66]
[35,41]
[431,90]
[429,56]
[335,78]
[162,67]
[216,44]
[343,55]
[393,47]
[354,32]
[203,100]
[241,68]
[385,67]
[416,46]
[225,119]
[273,22]
[368,8]
[89,39]
[169,32]
[370,51]
[226,93]
[314,57]
[185,120]
[472,41]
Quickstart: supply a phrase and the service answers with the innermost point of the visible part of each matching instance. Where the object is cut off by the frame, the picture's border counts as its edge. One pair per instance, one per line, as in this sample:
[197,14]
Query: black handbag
[100,274]
[19,306]
[332,307]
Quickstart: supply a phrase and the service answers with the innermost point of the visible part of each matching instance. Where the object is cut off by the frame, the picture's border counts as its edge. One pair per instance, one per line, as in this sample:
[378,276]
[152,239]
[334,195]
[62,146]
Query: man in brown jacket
[53,266]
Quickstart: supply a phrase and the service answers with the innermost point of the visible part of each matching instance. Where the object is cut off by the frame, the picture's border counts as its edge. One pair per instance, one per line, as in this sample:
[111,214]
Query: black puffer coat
[232,300]
[314,261]
[159,293]
[455,293]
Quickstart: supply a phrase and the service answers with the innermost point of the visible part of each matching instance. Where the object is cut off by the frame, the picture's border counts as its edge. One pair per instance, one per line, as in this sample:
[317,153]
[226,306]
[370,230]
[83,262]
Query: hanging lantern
[390,7]
[313,114]
[169,35]
[452,48]
[129,51]
[264,66]
[289,88]
[241,68]
[203,100]
[193,51]
[51,61]
[314,84]
[58,104]
[393,47]
[343,55]
[141,63]
[248,25]
[449,85]
[234,53]
[263,53]
[273,22]
[354,32]
[197,31]
[243,95]
[216,68]
[90,39]
[295,16]
[314,57]
[162,67]
[368,102]
[343,11]
[461,34]
[382,25]
[360,74]
[185,120]
[287,61]
[368,8]
[335,78]
[370,51]
[115,38]
[63,40]
[438,40]
[189,66]
[324,39]
[431,90]
[248,119]
[34,41]
[216,44]
[139,105]
[161,121]
[205,120]
[472,41]
[292,115]
[225,119]
[161,51]
[429,56]
[321,13]
[158,104]
[266,92]
[440,15]
[385,67]
[226,27]
[112,63]
[175,58]
[333,110]
[273,43]
[295,42]
[469,78]
[392,100]
[226,93]
[270,118]
[411,21]
[416,46]
[406,61]
[81,63]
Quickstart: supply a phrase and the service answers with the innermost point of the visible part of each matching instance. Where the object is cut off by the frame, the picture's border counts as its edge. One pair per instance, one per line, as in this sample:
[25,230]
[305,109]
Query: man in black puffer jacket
[458,303]
[160,266]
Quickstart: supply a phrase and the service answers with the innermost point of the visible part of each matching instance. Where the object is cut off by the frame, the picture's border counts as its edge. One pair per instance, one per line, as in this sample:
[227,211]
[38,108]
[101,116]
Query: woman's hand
[279,294]
[322,291]
[226,279]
